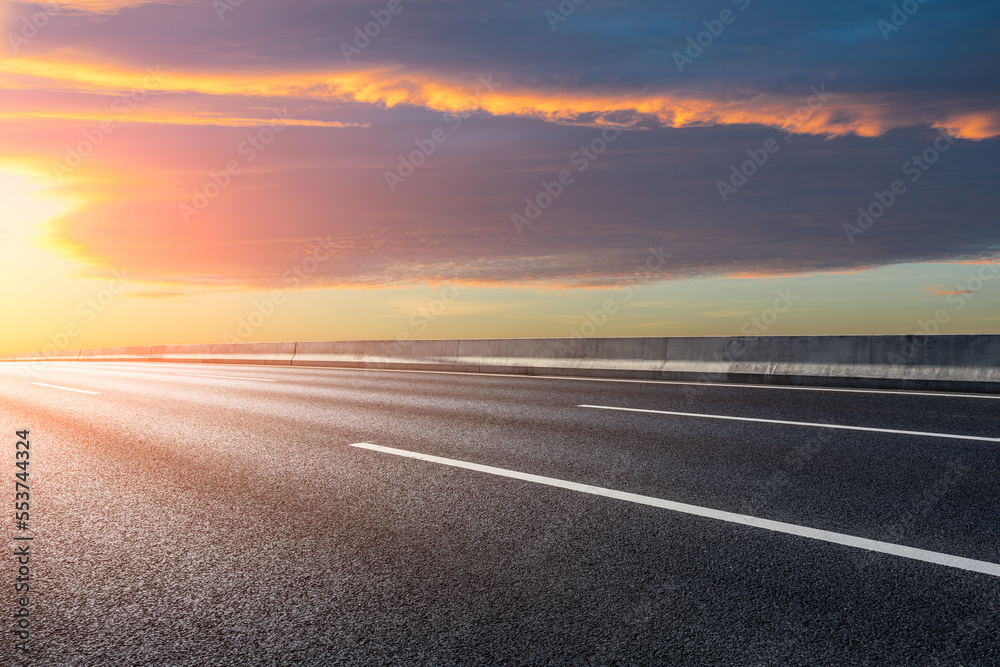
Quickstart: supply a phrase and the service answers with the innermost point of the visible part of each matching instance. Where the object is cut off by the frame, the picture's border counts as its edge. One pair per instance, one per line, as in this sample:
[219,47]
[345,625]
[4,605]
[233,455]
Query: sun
[25,204]
[28,268]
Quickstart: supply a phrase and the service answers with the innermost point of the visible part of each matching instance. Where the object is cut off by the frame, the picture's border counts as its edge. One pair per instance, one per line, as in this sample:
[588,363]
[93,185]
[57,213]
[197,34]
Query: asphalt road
[219,515]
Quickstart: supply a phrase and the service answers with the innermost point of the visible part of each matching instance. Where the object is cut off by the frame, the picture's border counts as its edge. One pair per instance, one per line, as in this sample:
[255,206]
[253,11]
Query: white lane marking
[677,382]
[947,560]
[81,391]
[792,388]
[780,421]
[223,377]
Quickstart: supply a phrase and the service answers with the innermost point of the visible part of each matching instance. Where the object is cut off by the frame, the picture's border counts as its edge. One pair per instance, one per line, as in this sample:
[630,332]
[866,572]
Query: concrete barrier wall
[116,354]
[226,353]
[62,355]
[957,363]
[954,363]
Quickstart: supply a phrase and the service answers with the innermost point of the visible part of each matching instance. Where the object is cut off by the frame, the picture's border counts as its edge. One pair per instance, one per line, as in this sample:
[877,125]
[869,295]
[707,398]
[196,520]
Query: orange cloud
[867,114]
[972,126]
[169,118]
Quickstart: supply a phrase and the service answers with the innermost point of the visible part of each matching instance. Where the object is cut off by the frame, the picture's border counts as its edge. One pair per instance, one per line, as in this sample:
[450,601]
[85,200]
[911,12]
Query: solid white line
[789,387]
[947,560]
[224,377]
[779,421]
[81,391]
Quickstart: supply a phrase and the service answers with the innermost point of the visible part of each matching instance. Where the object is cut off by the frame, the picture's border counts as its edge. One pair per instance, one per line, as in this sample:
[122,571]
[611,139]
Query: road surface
[244,515]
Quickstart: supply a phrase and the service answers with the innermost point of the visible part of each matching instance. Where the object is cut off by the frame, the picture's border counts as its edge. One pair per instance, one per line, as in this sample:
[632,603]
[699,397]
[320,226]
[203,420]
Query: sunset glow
[25,203]
[213,151]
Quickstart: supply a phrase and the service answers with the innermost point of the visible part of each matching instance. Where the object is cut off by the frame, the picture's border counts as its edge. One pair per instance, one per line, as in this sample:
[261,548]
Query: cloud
[813,111]
[937,289]
[550,92]
[164,118]
[451,221]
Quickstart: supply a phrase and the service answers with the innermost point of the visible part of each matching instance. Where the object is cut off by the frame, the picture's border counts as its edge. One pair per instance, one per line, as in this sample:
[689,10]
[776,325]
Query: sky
[198,171]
